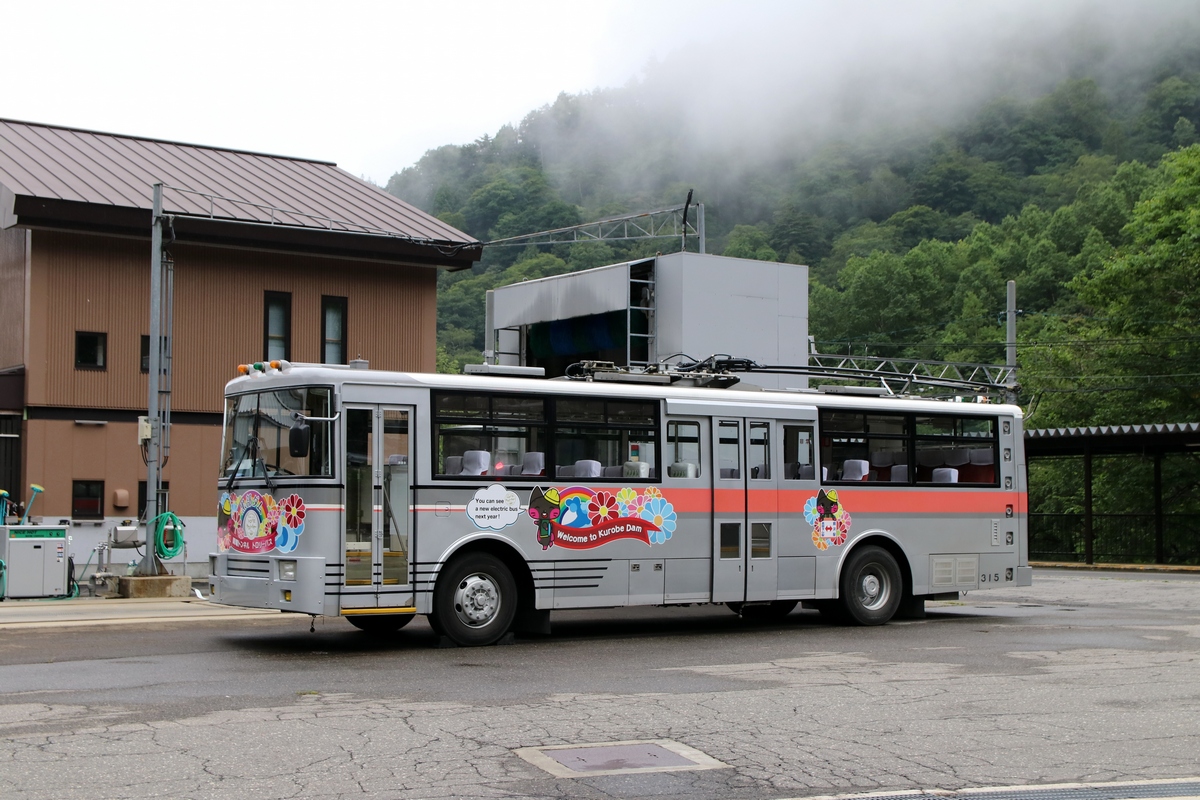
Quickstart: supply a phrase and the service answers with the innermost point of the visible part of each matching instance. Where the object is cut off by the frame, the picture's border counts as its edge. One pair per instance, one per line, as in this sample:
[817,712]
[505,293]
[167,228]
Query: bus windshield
[256,434]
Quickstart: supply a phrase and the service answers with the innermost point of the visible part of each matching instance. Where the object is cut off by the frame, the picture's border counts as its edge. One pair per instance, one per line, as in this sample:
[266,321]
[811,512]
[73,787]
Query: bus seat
[534,463]
[855,469]
[982,467]
[957,457]
[730,472]
[587,468]
[612,472]
[824,473]
[564,472]
[635,469]
[454,465]
[683,469]
[476,462]
[899,473]
[397,460]
[881,465]
[945,475]
[930,458]
[983,455]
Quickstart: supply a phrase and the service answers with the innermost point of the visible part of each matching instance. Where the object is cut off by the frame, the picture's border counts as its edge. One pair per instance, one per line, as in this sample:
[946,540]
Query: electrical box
[35,559]
[143,430]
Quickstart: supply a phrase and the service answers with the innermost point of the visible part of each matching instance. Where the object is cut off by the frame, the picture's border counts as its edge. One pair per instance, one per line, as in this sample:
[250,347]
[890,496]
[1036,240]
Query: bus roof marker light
[243,369]
[279,365]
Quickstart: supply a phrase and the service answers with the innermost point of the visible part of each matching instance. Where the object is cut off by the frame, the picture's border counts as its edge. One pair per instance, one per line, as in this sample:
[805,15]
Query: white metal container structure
[486,502]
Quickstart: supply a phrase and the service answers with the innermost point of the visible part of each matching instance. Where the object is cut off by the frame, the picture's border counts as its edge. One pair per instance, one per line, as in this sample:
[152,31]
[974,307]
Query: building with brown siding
[272,256]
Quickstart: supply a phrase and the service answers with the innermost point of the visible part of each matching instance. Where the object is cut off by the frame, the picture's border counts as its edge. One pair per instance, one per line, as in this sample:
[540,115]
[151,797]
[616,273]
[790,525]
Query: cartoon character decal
[831,522]
[544,509]
[253,522]
[579,518]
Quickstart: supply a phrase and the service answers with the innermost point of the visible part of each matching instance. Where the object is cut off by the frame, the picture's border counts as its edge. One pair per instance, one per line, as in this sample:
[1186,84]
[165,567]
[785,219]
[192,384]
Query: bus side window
[729,449]
[683,449]
[799,461]
[606,439]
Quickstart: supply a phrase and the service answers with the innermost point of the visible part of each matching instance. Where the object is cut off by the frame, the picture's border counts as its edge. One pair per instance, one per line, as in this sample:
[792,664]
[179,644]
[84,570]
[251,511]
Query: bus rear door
[745,510]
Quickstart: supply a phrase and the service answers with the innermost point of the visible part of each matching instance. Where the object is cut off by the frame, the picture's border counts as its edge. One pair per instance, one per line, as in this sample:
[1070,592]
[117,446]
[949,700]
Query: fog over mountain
[776,81]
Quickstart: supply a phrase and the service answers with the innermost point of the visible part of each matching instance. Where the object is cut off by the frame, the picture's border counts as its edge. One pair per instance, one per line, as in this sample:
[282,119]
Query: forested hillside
[1084,192]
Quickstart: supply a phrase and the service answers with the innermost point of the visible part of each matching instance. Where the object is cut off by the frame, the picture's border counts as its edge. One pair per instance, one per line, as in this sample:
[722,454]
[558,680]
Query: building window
[333,330]
[87,499]
[162,498]
[145,353]
[277,325]
[90,350]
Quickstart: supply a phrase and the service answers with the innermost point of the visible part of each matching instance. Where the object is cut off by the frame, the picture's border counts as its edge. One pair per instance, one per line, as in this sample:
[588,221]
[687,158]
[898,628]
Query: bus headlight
[287,570]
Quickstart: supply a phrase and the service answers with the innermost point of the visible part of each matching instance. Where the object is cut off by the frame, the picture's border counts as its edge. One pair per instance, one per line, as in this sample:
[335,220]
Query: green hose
[160,526]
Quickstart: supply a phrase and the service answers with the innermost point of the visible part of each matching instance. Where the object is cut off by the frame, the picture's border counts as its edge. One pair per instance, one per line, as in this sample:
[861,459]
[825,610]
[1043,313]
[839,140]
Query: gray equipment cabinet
[35,559]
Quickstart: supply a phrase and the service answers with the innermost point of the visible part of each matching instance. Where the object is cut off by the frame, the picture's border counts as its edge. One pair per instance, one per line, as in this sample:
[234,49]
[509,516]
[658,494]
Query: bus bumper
[297,586]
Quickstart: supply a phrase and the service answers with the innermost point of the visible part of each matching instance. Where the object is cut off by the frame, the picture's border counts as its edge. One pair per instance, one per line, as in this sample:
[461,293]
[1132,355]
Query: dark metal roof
[83,180]
[1113,439]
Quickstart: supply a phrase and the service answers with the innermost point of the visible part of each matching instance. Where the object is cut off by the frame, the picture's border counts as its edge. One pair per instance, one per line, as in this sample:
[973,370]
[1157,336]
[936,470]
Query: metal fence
[1116,538]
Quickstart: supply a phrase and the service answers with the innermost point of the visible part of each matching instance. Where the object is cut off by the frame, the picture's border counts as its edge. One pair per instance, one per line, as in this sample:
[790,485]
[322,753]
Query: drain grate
[617,758]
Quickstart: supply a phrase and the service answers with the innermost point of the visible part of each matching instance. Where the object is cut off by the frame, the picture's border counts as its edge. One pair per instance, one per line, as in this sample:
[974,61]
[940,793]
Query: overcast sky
[373,85]
[370,85]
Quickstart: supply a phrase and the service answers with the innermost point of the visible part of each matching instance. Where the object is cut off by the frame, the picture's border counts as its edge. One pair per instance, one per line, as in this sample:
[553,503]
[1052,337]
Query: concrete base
[156,586]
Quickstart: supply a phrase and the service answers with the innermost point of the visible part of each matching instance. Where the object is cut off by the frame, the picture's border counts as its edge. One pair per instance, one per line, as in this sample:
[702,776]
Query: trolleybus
[486,502]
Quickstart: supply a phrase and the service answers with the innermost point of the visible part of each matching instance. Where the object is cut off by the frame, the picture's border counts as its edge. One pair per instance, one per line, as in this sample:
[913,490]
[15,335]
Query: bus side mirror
[299,436]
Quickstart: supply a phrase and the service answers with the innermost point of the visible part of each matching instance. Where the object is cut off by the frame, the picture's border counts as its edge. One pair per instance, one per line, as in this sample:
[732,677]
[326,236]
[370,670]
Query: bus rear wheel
[475,600]
[380,623]
[871,586]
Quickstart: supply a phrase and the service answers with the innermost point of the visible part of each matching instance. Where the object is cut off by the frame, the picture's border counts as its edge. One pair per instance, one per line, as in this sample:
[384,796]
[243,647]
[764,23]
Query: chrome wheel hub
[874,590]
[476,600]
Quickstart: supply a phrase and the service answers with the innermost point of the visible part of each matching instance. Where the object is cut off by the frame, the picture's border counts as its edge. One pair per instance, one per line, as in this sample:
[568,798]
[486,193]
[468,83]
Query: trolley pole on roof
[1010,349]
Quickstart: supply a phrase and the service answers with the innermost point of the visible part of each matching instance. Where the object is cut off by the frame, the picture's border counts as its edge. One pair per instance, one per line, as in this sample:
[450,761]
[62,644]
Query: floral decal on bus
[831,522]
[253,522]
[579,518]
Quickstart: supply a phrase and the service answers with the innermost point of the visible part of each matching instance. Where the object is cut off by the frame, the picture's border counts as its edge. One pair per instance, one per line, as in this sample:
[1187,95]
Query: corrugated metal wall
[97,283]
[12,297]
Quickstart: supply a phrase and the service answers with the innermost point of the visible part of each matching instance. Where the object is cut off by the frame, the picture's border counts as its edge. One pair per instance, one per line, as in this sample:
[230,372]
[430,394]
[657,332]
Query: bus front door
[378,507]
[745,510]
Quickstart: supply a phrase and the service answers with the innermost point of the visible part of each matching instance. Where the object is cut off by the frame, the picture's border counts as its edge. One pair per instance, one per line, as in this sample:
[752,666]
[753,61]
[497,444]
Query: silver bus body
[766,506]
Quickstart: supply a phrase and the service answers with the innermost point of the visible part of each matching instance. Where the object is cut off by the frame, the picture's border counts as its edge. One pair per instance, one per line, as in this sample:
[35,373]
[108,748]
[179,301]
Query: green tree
[749,241]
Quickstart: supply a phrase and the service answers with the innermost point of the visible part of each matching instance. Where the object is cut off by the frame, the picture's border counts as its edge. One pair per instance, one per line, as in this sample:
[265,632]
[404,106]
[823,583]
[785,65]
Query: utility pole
[158,413]
[1010,350]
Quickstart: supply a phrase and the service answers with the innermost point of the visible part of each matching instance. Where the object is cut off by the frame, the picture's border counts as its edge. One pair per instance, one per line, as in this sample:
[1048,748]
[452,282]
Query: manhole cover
[617,758]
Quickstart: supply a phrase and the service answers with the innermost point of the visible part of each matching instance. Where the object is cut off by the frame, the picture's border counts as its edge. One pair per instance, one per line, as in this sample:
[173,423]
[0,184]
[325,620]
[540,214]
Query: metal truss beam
[666,223]
[901,375]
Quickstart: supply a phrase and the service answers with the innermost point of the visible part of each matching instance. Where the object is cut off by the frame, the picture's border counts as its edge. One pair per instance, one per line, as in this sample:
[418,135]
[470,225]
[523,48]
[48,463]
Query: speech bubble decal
[494,508]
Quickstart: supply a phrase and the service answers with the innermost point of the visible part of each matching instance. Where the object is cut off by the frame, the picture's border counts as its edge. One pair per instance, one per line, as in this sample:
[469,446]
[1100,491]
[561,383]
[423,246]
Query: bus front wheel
[475,600]
[871,586]
[380,623]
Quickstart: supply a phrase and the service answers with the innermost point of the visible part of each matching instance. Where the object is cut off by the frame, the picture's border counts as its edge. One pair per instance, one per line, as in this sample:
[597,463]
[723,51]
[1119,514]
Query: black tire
[475,600]
[775,610]
[871,586]
[380,623]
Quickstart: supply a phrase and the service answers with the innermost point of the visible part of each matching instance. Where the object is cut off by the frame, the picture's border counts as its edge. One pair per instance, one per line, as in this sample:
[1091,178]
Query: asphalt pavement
[1081,687]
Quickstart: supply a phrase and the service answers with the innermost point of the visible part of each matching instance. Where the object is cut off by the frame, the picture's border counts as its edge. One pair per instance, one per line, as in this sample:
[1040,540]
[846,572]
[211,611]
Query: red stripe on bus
[953,501]
[868,501]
